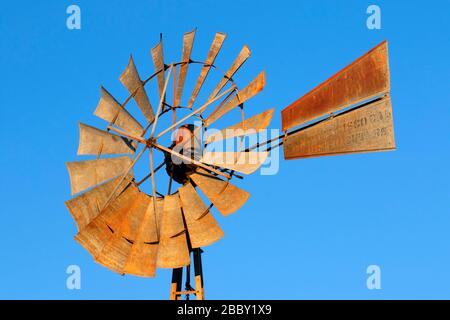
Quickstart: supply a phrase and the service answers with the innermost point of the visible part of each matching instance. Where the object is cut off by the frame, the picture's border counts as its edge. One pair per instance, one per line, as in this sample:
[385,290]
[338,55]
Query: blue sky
[308,232]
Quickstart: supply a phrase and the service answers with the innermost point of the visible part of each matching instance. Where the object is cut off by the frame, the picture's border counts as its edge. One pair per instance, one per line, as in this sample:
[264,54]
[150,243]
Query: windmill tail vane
[131,231]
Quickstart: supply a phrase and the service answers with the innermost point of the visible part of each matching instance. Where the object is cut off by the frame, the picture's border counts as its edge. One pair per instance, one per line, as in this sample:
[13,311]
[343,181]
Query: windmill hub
[186,143]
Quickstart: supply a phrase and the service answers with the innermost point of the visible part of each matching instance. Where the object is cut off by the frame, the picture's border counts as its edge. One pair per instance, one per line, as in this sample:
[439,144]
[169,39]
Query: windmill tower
[133,232]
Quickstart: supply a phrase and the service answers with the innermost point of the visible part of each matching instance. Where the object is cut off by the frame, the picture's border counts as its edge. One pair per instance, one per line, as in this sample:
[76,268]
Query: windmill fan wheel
[119,224]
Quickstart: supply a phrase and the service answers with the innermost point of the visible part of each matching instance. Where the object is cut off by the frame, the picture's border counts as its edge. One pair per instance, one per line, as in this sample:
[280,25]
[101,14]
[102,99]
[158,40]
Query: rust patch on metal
[366,129]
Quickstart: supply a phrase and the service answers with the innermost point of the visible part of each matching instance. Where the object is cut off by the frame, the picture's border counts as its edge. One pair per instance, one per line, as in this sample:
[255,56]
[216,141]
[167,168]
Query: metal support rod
[199,286]
[199,110]
[161,102]
[177,277]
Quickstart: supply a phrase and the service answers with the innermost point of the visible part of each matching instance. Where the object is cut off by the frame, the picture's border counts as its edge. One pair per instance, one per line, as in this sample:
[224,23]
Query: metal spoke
[199,110]
[161,101]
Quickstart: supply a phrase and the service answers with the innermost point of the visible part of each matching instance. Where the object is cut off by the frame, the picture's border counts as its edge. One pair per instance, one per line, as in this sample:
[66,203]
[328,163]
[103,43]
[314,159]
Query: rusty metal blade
[94,141]
[238,62]
[249,126]
[125,223]
[110,110]
[245,94]
[226,197]
[173,249]
[85,207]
[365,78]
[172,220]
[94,236]
[142,260]
[143,255]
[134,217]
[131,80]
[173,252]
[188,42]
[244,162]
[114,253]
[152,221]
[212,54]
[202,227]
[115,250]
[88,173]
[158,62]
[366,129]
[115,214]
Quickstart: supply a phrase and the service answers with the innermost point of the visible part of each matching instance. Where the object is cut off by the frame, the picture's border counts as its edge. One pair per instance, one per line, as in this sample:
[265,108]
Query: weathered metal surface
[212,54]
[98,232]
[114,253]
[226,197]
[172,220]
[94,141]
[173,250]
[366,129]
[131,80]
[188,42]
[249,126]
[152,221]
[85,207]
[88,173]
[243,95]
[238,62]
[202,227]
[93,236]
[142,258]
[133,218]
[365,78]
[244,162]
[110,110]
[117,211]
[158,62]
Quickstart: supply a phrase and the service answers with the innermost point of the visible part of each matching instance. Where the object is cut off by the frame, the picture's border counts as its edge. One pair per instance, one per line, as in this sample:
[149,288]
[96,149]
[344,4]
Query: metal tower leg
[177,278]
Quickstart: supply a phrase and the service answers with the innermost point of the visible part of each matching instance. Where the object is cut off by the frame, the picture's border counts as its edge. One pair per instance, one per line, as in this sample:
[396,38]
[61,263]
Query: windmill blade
[110,110]
[226,197]
[116,213]
[142,258]
[85,207]
[134,217]
[94,235]
[173,250]
[188,42]
[244,162]
[238,62]
[362,80]
[152,221]
[160,67]
[172,220]
[365,129]
[245,94]
[94,141]
[88,173]
[97,233]
[131,80]
[202,227]
[212,54]
[117,249]
[249,126]
[114,253]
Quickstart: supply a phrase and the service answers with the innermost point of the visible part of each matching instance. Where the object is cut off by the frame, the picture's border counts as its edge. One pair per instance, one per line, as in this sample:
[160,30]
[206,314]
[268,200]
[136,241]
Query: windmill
[133,232]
